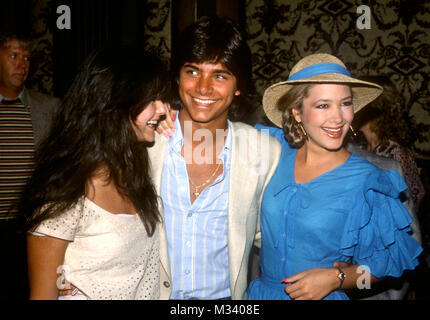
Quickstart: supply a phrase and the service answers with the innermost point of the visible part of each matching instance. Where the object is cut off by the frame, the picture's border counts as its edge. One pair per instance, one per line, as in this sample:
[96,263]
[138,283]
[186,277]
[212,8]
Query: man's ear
[297,114]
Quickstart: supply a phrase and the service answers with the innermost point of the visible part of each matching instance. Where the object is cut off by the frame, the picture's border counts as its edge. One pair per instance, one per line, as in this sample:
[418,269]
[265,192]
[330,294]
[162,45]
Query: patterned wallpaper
[397,45]
[157,27]
[280,32]
[41,68]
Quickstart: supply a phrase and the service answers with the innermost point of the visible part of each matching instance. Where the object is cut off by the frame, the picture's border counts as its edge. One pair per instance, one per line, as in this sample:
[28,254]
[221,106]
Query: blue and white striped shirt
[197,233]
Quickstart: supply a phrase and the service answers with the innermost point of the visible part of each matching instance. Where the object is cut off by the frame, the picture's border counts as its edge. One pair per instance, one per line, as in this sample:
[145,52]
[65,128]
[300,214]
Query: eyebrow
[328,100]
[19,51]
[222,71]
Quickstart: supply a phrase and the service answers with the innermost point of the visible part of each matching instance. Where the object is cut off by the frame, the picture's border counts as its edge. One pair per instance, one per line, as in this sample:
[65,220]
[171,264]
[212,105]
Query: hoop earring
[303,129]
[353,132]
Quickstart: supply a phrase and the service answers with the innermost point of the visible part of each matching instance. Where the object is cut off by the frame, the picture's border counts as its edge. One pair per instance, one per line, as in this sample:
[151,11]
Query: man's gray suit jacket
[42,108]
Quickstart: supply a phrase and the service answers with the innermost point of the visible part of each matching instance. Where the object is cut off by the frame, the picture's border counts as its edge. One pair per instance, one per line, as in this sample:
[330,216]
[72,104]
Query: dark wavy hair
[385,114]
[92,130]
[217,40]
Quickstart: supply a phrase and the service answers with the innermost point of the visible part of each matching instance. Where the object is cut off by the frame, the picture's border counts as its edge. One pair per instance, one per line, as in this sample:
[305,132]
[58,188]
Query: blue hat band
[319,68]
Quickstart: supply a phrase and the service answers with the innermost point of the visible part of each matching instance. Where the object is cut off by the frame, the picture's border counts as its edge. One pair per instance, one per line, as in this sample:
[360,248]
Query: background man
[25,117]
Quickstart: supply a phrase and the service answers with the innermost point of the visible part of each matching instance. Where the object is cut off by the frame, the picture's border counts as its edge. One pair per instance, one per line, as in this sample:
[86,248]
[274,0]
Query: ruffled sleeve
[377,232]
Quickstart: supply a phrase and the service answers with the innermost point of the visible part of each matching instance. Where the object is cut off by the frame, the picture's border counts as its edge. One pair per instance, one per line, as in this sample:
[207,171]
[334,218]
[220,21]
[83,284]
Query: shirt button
[187,271]
[190,215]
[166,284]
[188,244]
[284,235]
[283,259]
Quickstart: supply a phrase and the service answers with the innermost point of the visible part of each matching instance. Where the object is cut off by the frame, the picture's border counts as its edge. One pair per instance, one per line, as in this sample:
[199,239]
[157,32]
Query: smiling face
[326,115]
[147,120]
[14,67]
[207,90]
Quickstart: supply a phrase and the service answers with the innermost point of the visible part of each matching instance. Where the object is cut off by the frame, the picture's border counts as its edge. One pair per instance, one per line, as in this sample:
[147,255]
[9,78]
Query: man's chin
[18,85]
[205,117]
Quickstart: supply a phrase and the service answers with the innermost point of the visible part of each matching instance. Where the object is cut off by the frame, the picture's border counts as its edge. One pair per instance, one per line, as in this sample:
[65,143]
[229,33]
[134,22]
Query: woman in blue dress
[324,204]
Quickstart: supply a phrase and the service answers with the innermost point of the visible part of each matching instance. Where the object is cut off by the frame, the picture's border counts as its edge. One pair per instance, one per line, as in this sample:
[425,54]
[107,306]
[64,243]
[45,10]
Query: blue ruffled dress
[352,212]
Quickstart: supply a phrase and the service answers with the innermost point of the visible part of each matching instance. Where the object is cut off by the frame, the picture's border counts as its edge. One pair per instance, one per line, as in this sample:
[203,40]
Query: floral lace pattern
[410,172]
[110,256]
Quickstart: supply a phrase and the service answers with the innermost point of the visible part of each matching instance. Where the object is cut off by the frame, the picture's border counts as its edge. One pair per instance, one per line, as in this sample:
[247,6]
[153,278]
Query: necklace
[196,192]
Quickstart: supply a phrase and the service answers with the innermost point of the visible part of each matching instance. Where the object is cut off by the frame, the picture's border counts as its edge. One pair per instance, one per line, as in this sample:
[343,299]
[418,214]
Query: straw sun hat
[318,68]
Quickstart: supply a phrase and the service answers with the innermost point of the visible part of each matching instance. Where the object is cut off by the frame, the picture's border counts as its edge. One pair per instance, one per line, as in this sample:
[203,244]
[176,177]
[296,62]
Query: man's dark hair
[217,40]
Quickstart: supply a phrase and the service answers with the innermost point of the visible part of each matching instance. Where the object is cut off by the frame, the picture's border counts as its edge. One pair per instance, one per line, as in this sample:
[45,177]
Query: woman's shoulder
[372,177]
[275,132]
[63,225]
[357,166]
[359,175]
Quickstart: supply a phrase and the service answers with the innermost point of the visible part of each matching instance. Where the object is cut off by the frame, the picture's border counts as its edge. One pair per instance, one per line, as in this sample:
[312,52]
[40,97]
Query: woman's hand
[317,283]
[166,127]
[71,291]
[313,284]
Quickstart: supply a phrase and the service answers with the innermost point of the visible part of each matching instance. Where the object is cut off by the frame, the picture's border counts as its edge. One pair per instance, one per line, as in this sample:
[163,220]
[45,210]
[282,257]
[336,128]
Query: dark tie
[14,101]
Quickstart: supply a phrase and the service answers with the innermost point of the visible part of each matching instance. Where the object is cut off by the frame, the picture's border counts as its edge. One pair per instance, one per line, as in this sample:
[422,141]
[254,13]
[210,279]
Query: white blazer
[254,159]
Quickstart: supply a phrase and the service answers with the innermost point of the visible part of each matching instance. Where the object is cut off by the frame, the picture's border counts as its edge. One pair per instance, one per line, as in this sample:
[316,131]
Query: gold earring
[353,132]
[303,129]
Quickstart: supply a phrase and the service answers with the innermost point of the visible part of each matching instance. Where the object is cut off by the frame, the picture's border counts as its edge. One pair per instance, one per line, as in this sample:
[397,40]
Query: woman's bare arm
[44,256]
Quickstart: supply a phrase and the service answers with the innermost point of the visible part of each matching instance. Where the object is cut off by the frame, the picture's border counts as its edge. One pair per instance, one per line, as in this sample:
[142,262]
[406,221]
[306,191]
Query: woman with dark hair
[90,206]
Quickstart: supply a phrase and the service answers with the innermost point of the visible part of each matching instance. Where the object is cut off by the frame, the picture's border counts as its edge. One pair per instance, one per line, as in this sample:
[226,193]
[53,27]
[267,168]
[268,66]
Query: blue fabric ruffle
[378,236]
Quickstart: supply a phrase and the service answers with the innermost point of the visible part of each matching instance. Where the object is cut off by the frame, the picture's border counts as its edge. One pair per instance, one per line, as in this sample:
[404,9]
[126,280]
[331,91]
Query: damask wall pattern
[280,32]
[397,45]
[41,77]
[157,28]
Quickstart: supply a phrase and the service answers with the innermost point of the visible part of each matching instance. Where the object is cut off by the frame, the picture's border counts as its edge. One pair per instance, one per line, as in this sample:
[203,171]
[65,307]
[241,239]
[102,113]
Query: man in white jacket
[212,171]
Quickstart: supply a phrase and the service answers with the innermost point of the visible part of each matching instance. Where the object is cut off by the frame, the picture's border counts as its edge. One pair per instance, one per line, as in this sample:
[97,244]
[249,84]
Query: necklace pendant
[196,194]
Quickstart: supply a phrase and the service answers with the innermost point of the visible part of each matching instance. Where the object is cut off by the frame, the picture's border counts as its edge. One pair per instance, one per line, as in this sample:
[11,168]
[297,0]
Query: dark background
[97,23]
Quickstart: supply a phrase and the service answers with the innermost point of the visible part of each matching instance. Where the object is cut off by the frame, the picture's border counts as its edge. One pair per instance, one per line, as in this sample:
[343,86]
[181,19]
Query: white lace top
[110,256]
